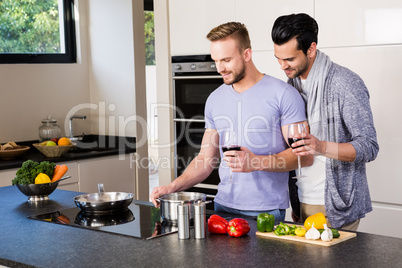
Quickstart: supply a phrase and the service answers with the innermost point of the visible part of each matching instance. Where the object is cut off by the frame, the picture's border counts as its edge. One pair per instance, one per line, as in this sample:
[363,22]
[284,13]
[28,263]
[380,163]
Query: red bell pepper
[217,224]
[238,227]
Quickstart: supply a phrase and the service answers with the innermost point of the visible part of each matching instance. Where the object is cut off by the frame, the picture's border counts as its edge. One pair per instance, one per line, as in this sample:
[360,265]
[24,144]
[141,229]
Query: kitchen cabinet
[190,22]
[6,176]
[117,173]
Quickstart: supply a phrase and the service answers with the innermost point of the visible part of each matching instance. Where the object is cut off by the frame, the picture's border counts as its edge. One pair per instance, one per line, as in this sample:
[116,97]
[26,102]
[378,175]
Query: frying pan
[103,202]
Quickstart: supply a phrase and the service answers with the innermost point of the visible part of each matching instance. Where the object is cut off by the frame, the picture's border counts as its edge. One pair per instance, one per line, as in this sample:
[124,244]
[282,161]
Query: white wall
[103,76]
[31,92]
[362,35]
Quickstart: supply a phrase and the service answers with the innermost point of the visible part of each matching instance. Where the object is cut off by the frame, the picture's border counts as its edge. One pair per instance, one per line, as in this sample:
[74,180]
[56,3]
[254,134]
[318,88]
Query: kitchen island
[31,243]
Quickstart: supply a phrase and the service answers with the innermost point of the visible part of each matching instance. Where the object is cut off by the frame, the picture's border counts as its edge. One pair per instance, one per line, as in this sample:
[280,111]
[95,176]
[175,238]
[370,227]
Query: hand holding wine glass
[295,133]
[229,143]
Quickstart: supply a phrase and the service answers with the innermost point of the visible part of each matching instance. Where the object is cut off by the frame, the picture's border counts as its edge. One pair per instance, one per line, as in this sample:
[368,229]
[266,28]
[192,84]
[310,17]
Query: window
[37,31]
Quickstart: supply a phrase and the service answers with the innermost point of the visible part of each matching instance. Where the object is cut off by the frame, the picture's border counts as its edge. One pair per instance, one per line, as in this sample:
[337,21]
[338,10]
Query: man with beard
[343,138]
[258,108]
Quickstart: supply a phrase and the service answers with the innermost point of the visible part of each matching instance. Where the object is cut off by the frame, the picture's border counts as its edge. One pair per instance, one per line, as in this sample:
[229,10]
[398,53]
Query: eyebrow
[287,59]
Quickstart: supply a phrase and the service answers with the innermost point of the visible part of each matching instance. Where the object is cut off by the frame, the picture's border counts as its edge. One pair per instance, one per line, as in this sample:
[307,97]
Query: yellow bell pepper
[318,219]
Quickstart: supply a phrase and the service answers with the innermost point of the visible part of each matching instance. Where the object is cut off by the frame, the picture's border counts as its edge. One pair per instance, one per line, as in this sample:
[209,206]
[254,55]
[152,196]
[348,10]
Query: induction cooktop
[138,221]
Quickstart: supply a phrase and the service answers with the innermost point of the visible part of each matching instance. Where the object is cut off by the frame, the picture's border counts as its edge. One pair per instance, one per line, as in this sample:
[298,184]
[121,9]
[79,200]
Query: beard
[298,71]
[237,77]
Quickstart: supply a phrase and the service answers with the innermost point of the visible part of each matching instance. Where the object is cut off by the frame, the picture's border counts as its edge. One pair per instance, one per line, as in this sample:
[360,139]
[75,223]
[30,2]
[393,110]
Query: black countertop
[26,243]
[93,146]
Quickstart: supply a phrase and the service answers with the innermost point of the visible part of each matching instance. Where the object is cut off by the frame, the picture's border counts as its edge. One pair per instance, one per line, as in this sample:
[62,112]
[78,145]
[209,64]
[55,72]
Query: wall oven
[194,78]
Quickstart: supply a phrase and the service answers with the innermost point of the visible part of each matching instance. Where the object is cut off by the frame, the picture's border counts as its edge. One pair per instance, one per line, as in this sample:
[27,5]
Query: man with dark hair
[342,134]
[258,108]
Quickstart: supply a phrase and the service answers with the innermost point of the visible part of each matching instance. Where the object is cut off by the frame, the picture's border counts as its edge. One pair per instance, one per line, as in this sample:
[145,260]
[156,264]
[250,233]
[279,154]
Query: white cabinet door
[6,177]
[116,174]
[190,22]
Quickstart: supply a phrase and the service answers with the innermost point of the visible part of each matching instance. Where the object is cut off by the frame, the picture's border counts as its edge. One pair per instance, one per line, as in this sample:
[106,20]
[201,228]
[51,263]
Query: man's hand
[309,145]
[242,161]
[157,192]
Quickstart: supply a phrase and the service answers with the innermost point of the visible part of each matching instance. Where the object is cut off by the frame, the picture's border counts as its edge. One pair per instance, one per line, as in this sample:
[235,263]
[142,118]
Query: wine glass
[229,143]
[295,131]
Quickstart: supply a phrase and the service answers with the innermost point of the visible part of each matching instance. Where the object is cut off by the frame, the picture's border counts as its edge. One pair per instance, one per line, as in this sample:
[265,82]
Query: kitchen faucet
[83,117]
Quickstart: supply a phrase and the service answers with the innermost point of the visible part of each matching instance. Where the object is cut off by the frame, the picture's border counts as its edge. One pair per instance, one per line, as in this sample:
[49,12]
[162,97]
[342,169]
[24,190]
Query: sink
[95,142]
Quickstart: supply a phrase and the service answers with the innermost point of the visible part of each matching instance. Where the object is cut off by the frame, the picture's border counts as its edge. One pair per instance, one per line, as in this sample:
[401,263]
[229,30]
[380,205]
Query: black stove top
[139,221]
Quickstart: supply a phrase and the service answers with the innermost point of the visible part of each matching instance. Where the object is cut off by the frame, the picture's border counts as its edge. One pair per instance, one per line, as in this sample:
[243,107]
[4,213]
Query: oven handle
[196,77]
[189,120]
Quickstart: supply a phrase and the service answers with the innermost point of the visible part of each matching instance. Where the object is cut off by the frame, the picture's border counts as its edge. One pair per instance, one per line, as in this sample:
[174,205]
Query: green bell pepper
[279,230]
[265,222]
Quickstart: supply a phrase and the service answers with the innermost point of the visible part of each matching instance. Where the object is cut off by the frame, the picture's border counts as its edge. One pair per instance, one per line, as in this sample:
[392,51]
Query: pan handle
[101,189]
[62,179]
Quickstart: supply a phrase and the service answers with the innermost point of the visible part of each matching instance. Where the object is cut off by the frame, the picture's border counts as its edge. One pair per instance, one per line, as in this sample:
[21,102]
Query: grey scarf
[314,97]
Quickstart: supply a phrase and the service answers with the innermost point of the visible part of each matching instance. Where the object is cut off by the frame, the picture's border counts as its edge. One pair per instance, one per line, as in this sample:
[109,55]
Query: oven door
[191,93]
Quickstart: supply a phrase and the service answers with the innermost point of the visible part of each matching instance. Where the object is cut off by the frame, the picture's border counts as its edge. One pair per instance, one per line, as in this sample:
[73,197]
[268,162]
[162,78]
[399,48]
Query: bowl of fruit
[54,147]
[38,180]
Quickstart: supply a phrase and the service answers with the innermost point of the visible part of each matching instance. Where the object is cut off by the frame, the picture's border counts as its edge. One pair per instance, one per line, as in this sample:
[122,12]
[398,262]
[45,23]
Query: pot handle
[101,189]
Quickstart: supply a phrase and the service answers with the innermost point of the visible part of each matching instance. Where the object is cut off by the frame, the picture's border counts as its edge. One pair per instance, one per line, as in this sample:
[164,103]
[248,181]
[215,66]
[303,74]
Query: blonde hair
[235,30]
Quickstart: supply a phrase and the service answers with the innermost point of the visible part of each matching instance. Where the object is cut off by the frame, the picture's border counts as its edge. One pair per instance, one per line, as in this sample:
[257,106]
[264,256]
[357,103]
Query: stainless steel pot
[169,202]
[103,202]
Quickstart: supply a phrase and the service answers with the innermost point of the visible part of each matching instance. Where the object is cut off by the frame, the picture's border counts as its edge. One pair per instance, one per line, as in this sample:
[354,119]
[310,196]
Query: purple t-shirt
[256,116]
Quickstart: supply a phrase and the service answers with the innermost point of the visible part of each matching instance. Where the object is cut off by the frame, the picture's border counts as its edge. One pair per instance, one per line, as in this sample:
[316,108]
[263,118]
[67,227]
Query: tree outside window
[34,29]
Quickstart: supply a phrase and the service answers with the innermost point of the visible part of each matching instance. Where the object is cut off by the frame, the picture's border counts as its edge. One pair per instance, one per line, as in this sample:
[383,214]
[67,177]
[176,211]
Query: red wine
[292,140]
[231,148]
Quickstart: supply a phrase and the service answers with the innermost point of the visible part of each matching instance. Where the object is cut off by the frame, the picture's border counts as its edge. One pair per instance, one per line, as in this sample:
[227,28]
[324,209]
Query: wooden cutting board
[344,235]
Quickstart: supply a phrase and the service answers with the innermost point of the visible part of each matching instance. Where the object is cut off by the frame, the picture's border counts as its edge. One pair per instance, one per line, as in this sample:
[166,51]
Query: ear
[312,51]
[247,55]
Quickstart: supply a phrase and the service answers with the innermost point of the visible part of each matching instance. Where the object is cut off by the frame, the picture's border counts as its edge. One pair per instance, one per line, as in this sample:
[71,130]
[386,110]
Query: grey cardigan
[350,120]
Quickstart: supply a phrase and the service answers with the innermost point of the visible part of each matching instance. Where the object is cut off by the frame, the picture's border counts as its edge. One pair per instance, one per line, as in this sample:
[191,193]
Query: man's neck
[252,77]
[305,74]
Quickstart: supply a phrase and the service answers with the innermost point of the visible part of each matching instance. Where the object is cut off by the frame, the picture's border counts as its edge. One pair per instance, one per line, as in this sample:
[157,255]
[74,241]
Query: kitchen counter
[106,145]
[26,243]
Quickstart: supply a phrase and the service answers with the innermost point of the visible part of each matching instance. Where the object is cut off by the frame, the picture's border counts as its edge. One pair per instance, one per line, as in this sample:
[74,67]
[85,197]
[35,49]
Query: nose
[283,64]
[219,67]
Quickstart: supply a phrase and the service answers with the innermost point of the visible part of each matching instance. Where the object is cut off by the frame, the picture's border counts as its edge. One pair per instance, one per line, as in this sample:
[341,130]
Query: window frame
[70,55]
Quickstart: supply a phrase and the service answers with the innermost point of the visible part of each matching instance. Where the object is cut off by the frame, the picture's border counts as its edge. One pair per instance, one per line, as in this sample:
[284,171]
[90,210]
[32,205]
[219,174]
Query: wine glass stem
[299,164]
[230,175]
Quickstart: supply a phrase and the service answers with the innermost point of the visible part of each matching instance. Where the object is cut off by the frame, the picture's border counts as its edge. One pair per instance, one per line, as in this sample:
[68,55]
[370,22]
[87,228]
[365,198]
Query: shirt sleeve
[293,108]
[209,122]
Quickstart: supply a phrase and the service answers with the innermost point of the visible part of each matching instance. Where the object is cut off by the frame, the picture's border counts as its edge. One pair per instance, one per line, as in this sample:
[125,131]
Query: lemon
[42,178]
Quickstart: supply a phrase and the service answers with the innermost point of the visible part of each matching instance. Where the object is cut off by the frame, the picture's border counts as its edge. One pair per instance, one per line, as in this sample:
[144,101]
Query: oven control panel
[194,67]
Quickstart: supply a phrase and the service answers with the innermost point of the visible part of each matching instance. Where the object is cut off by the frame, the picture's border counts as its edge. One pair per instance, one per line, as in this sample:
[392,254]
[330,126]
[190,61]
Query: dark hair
[236,30]
[300,26]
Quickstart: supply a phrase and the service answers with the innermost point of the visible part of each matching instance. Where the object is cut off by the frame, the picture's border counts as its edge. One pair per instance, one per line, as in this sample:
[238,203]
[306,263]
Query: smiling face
[229,61]
[293,61]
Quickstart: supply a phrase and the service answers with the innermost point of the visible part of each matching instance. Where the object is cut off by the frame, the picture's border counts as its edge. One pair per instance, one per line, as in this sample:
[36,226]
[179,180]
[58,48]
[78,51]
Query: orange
[64,141]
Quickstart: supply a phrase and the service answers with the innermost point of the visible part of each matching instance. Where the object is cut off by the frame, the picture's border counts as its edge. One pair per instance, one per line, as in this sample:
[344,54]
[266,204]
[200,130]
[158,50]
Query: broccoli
[30,169]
